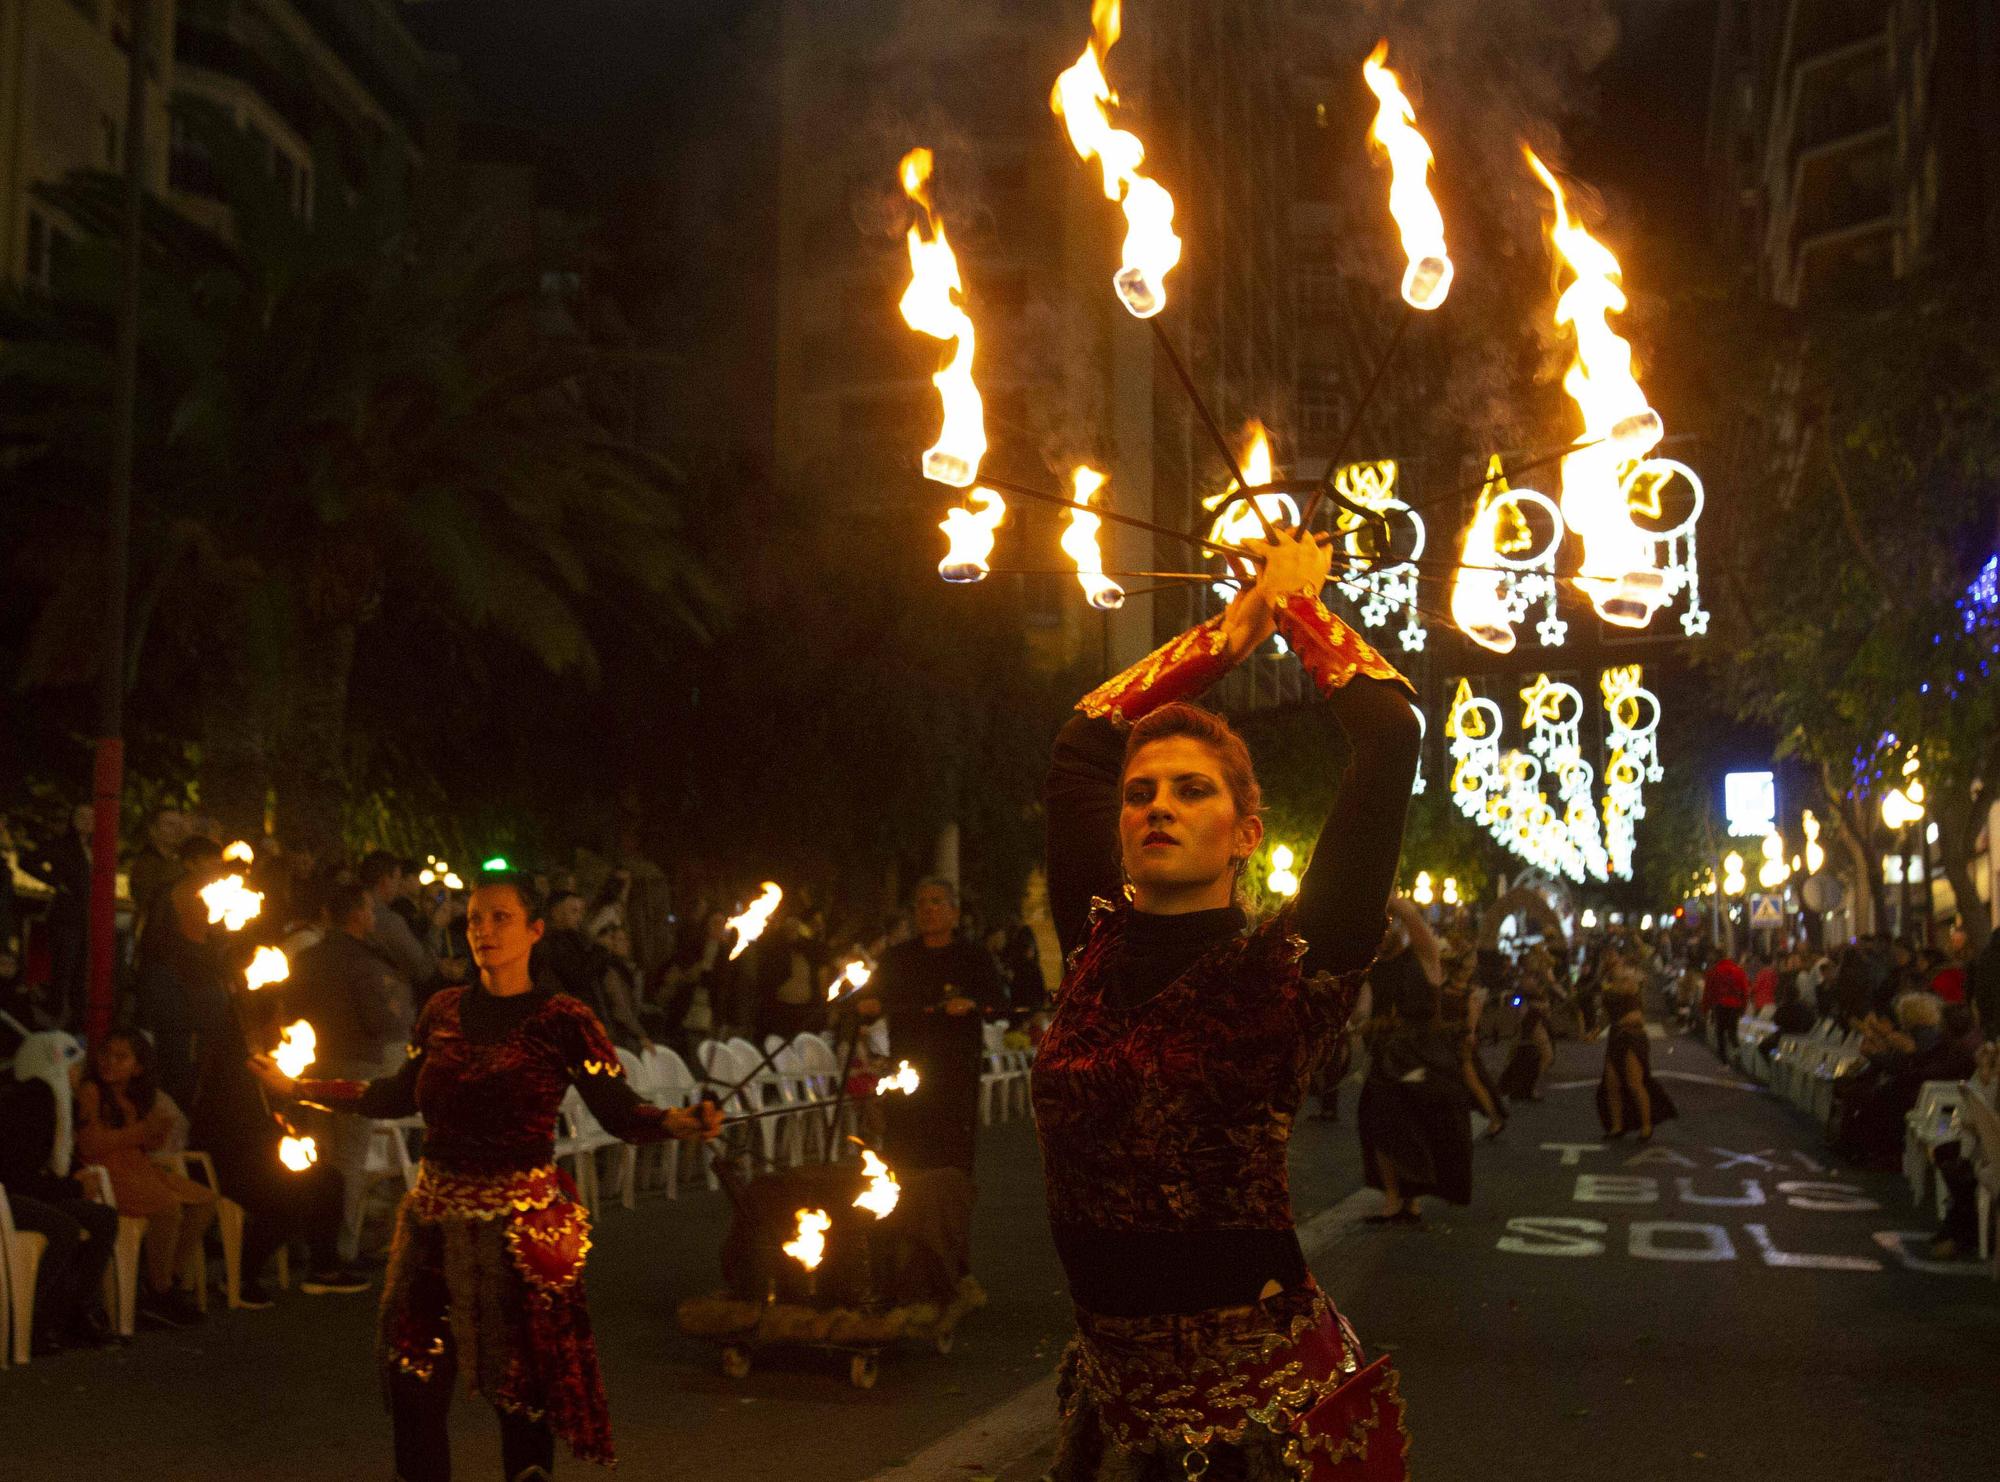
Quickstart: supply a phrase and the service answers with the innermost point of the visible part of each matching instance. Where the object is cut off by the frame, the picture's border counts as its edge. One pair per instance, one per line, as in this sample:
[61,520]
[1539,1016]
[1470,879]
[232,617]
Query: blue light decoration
[1980,606]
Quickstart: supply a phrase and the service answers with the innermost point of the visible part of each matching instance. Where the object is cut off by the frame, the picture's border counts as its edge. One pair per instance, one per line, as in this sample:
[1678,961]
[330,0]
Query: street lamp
[1450,891]
[1422,894]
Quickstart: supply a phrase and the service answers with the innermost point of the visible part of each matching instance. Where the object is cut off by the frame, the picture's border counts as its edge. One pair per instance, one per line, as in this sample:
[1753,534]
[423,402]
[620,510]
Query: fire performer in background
[935,989]
[1183,1042]
[486,1272]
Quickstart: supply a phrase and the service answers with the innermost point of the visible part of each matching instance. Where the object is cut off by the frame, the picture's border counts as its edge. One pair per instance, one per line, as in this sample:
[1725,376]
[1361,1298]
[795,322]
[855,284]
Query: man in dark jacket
[360,1011]
[64,866]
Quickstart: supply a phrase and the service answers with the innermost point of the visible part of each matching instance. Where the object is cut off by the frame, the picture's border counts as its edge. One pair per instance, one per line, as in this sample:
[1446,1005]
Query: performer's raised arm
[1346,887]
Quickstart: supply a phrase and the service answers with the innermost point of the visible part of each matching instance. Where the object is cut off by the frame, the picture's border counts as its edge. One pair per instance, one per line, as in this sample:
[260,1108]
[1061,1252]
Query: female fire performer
[1183,1042]
[486,1271]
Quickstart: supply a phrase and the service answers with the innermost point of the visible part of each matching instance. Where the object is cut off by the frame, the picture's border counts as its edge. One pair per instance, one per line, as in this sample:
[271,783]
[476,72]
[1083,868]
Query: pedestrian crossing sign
[1767,913]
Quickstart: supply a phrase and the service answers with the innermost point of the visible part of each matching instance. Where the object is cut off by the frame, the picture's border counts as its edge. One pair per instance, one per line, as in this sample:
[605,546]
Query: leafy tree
[1859,511]
[340,415]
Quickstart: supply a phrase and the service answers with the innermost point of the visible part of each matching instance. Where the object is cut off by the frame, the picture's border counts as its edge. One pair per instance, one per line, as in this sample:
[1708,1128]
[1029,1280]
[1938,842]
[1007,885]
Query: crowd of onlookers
[367,943]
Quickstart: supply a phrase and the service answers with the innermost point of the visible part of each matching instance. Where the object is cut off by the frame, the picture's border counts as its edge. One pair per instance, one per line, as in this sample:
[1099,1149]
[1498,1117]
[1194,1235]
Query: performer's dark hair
[1239,774]
[523,886]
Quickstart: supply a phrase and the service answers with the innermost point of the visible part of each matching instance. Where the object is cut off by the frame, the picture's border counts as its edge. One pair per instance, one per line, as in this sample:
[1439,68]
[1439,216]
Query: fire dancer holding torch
[486,1272]
[1184,1040]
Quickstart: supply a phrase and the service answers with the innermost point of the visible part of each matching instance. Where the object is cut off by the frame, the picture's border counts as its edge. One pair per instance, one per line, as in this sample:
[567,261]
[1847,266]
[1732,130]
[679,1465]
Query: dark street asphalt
[1716,1306]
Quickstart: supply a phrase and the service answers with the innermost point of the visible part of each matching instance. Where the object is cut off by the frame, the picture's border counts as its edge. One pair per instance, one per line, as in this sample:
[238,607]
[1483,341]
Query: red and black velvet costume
[1165,1091]
[487,1268]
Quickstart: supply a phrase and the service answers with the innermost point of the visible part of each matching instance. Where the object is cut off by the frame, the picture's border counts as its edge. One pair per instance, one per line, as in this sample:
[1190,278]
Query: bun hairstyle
[1212,731]
[532,905]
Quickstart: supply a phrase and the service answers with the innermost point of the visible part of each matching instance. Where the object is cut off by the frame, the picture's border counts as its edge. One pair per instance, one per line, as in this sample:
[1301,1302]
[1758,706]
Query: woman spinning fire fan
[1183,1043]
[487,1270]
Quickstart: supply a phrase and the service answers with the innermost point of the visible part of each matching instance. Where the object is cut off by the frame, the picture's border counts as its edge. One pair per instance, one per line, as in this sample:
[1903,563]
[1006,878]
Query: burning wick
[755,917]
[231,902]
[1083,100]
[268,966]
[933,304]
[298,1153]
[1427,279]
[239,853]
[852,978]
[295,1049]
[883,1191]
[970,532]
[808,1247]
[905,1080]
[1080,544]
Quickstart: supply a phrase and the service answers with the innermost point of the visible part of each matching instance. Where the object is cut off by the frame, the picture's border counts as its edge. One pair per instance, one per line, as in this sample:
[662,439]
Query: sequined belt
[441,1194]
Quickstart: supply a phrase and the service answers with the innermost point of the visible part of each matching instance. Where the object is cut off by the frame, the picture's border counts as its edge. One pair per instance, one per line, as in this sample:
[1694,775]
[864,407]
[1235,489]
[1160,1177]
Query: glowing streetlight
[1423,894]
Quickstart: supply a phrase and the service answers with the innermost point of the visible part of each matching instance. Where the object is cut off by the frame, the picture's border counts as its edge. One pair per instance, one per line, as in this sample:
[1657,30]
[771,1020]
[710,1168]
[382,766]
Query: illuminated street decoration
[1506,568]
[1417,784]
[1380,591]
[1575,833]
[1646,485]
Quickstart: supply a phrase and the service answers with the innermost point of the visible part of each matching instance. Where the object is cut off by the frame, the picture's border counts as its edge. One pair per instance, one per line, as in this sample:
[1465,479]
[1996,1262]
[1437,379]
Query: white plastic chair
[20,1262]
[721,1069]
[121,1276]
[1930,1124]
[579,1136]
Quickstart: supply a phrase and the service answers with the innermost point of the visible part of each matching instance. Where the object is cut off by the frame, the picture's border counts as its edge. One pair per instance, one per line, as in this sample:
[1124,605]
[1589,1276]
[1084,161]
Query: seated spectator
[121,1120]
[1869,1106]
[37,1172]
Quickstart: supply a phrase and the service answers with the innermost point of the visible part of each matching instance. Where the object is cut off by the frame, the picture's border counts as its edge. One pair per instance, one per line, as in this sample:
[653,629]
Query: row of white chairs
[1802,1068]
[1003,1076]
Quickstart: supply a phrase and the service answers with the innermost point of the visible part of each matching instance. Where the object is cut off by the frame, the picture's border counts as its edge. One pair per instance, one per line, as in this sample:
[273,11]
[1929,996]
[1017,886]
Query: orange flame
[298,1153]
[239,853]
[883,1191]
[1082,98]
[852,977]
[231,903]
[1239,522]
[296,1048]
[1079,543]
[750,923]
[267,966]
[1617,569]
[808,1247]
[1476,606]
[933,304]
[1427,279]
[905,1080]
[970,533]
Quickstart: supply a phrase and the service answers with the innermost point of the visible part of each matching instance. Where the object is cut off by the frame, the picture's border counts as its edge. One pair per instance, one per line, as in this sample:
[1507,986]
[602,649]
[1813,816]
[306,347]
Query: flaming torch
[933,305]
[853,978]
[295,1048]
[750,924]
[883,1191]
[1079,543]
[239,853]
[905,1080]
[231,903]
[1617,572]
[267,966]
[1427,279]
[970,533]
[297,1153]
[1083,100]
[808,1247]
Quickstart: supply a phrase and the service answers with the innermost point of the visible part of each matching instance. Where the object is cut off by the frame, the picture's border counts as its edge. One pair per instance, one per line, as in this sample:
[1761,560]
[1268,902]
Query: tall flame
[852,978]
[808,1247]
[231,903]
[1427,279]
[750,923]
[1617,571]
[883,1191]
[267,966]
[970,533]
[1079,543]
[1082,98]
[933,304]
[296,1048]
[1239,522]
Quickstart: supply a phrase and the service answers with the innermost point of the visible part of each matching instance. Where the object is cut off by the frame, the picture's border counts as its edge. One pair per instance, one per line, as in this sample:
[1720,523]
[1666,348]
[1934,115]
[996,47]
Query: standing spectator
[1027,987]
[1724,991]
[1947,979]
[177,968]
[1982,986]
[697,987]
[1763,974]
[567,959]
[618,979]
[934,989]
[784,981]
[158,865]
[64,866]
[37,1151]
[121,1121]
[361,1013]
[381,875]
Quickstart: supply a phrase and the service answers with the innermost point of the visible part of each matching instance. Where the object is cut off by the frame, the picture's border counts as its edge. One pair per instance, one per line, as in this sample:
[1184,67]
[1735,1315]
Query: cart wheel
[863,1370]
[736,1362]
[943,1341]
